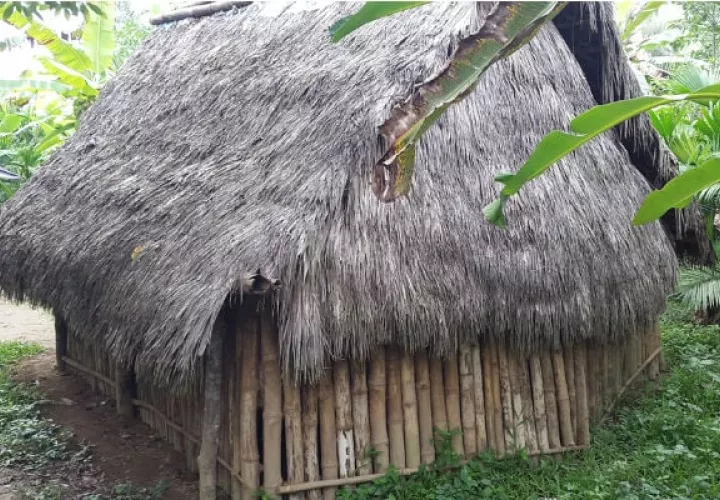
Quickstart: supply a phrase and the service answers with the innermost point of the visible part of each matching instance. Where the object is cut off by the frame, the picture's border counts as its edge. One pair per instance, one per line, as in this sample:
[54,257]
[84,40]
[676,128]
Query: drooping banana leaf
[507,27]
[6,175]
[585,127]
[63,52]
[6,85]
[369,12]
[98,37]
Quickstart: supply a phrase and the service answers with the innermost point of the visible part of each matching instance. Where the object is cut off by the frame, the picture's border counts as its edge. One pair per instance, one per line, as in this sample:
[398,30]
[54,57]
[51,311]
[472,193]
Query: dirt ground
[27,324]
[122,452]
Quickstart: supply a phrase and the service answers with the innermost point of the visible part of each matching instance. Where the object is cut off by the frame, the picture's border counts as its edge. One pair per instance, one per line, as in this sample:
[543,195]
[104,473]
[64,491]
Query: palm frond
[699,288]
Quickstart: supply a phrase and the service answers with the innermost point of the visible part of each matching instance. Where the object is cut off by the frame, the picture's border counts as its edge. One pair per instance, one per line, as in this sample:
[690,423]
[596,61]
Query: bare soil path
[122,452]
[25,323]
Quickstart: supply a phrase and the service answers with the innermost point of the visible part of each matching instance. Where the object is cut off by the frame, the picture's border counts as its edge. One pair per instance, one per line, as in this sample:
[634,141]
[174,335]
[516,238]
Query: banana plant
[76,72]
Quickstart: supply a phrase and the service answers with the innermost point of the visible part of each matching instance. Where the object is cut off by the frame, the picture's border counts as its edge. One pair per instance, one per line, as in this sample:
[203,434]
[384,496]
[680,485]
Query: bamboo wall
[307,441]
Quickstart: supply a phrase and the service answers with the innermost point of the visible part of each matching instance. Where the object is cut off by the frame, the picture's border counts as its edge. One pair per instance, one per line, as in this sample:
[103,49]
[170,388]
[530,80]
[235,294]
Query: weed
[128,491]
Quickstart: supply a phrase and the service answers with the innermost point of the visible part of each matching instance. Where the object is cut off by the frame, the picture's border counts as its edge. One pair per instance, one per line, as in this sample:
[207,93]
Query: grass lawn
[661,443]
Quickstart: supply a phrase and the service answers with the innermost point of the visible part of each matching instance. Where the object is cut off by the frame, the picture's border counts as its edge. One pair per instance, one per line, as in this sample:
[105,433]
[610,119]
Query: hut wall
[305,442]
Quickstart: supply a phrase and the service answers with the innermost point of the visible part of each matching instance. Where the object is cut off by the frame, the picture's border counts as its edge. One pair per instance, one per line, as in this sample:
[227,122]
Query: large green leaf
[678,192]
[368,13]
[635,20]
[556,145]
[506,28]
[63,52]
[74,80]
[11,122]
[99,37]
[6,85]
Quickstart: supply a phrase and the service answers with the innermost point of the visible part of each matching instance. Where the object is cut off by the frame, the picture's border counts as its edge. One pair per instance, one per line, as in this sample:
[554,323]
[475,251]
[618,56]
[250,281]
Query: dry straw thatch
[242,141]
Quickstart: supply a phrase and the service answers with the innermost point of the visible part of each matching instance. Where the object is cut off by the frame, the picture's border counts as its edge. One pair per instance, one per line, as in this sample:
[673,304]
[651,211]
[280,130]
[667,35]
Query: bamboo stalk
[244,325]
[310,439]
[437,395]
[497,401]
[361,417]
[293,432]
[506,388]
[343,416]
[551,408]
[207,459]
[538,395]
[396,429]
[478,384]
[272,407]
[630,381]
[563,400]
[593,386]
[422,378]
[378,417]
[488,384]
[410,411]
[328,433]
[467,401]
[569,355]
[452,402]
[531,439]
[604,380]
[583,417]
[652,345]
[248,445]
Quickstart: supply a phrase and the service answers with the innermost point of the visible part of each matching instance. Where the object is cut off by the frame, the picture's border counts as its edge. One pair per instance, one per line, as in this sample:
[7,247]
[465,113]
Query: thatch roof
[242,141]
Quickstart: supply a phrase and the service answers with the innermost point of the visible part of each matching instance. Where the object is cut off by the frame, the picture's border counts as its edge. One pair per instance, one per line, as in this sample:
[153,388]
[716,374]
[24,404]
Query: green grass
[661,443]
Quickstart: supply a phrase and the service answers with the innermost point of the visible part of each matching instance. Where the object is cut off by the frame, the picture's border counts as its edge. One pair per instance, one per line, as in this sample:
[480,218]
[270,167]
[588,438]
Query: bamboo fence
[308,441]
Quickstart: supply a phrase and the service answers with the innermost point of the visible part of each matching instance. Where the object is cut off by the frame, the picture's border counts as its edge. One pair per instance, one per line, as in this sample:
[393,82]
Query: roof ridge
[198,9]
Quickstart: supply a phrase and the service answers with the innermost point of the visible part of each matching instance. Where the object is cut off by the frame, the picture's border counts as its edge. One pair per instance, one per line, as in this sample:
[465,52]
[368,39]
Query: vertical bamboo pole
[511,438]
[567,433]
[551,408]
[538,395]
[343,418]
[328,433]
[377,381]
[310,438]
[478,384]
[425,418]
[437,395]
[606,380]
[531,439]
[599,374]
[249,388]
[653,344]
[497,399]
[361,417]
[395,411]
[293,433]
[410,411]
[124,390]
[272,406]
[207,459]
[61,343]
[488,384]
[244,325]
[593,386]
[452,402]
[467,401]
[569,355]
[583,418]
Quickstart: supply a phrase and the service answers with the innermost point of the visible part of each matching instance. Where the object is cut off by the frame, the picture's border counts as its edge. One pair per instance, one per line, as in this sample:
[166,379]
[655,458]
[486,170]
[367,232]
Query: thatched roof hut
[244,141]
